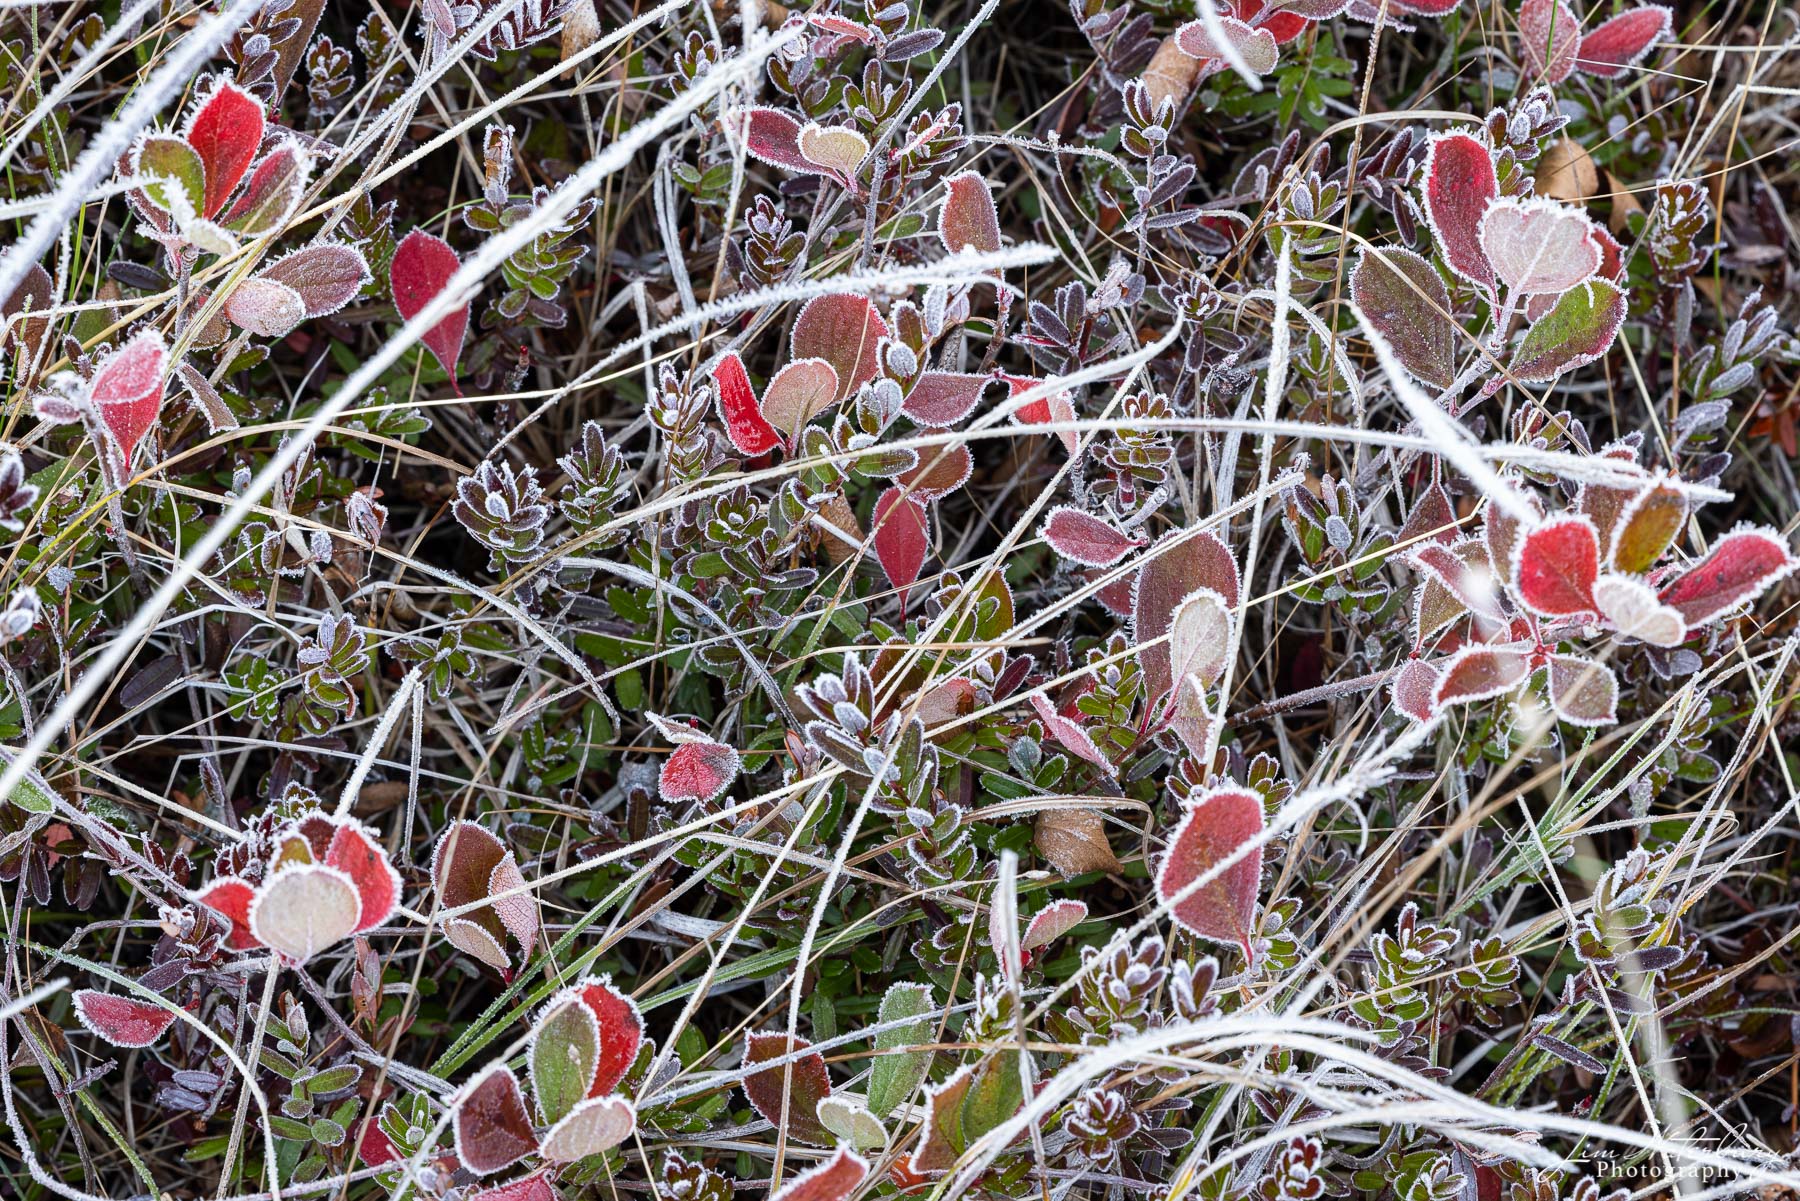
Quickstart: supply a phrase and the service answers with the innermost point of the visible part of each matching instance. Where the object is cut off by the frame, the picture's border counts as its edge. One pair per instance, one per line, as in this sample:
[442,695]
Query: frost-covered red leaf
[533,1187]
[1414,690]
[967,219]
[1460,184]
[1054,408]
[1476,673]
[1558,563]
[1583,692]
[127,390]
[1742,564]
[1549,37]
[1179,565]
[940,471]
[833,1180]
[1256,47]
[121,1021]
[698,771]
[799,392]
[422,268]
[901,537]
[742,413]
[943,398]
[327,275]
[802,1082]
[1611,47]
[1403,297]
[1051,923]
[844,330]
[355,852]
[493,1129]
[1085,539]
[770,136]
[272,194]
[231,897]
[225,131]
[1538,245]
[1218,822]
[1069,734]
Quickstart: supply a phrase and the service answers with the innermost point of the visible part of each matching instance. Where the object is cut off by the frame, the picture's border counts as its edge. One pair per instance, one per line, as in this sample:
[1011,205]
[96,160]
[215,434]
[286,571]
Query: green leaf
[994,1095]
[175,178]
[895,1073]
[1403,297]
[565,1050]
[1577,331]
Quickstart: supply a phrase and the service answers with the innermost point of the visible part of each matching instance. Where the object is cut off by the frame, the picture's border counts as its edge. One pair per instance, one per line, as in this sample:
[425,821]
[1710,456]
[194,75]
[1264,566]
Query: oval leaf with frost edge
[1476,673]
[849,1119]
[1414,690]
[1538,245]
[1218,822]
[895,1071]
[1583,692]
[1461,571]
[595,1125]
[697,771]
[1181,563]
[833,1180]
[901,539]
[939,399]
[1255,46]
[1460,184]
[940,471]
[845,330]
[127,389]
[272,194]
[121,1021]
[1200,636]
[803,1089]
[265,307]
[799,392]
[1069,734]
[1074,841]
[745,424]
[1577,330]
[328,275]
[1558,563]
[492,1128]
[562,1056]
[170,174]
[967,218]
[769,135]
[225,130]
[1742,564]
[1406,301]
[355,851]
[304,909]
[534,1187]
[1082,538]
[1632,608]
[423,266]
[476,940]
[1615,45]
[1550,38]
[1051,923]
[230,897]
[512,904]
[1647,527]
[836,150]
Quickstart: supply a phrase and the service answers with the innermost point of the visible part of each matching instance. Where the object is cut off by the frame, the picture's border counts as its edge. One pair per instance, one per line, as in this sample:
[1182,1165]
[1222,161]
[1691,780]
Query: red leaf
[535,1187]
[803,1082]
[1044,410]
[833,1180]
[1582,692]
[1475,673]
[1428,8]
[493,1129]
[1432,517]
[1451,569]
[355,852]
[940,471]
[1740,567]
[422,267]
[462,863]
[1414,690]
[327,275]
[968,218]
[1622,42]
[1085,539]
[231,897]
[1217,823]
[621,1031]
[844,330]
[1549,34]
[943,398]
[225,131]
[1069,733]
[1051,923]
[376,1148]
[127,389]
[769,135]
[1558,564]
[900,538]
[121,1021]
[273,192]
[1459,185]
[749,431]
[698,771]
[1179,565]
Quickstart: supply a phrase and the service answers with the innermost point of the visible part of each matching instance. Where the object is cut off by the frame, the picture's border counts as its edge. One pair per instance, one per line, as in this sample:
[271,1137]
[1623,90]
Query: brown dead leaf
[1074,841]
[1567,172]
[1623,205]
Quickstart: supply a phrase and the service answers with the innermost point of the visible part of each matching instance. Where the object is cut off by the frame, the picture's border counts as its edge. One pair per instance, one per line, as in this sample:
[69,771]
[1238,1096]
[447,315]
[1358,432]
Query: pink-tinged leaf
[1190,717]
[1069,734]
[1613,46]
[595,1125]
[1549,36]
[355,852]
[231,897]
[940,471]
[327,275]
[1115,596]
[1461,570]
[942,398]
[512,903]
[225,131]
[968,219]
[1051,923]
[802,1082]
[1476,673]
[901,538]
[478,942]
[698,771]
[1741,565]
[1538,245]
[493,1129]
[1578,329]
[273,192]
[121,1021]
[835,150]
[305,909]
[1044,410]
[833,1180]
[1085,539]
[1582,692]
[843,329]
[1200,637]
[1612,255]
[265,307]
[1179,565]
[1460,184]
[422,267]
[799,392]
[1405,300]
[463,861]
[1218,823]
[535,1187]
[1414,690]
[944,701]
[1433,518]
[1632,607]
[127,389]
[1427,8]
[749,431]
[621,1031]
[1558,564]
[1647,527]
[770,136]
[1255,46]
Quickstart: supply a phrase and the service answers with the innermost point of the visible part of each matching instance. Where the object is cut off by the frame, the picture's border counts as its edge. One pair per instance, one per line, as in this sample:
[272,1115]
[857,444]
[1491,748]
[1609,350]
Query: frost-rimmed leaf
[835,150]
[901,538]
[1476,673]
[1460,184]
[845,330]
[1069,734]
[225,130]
[119,1020]
[1200,631]
[799,392]
[967,218]
[492,1128]
[939,399]
[1741,566]
[941,1139]
[1180,564]
[895,1071]
[170,175]
[850,1120]
[1074,841]
[533,1187]
[1055,408]
[272,193]
[833,1180]
[355,851]
[1051,923]
[265,307]
[769,135]
[230,897]
[1632,607]
[1538,245]
[304,909]
[803,1082]
[698,771]
[422,267]
[1557,565]
[1217,823]
[1405,300]
[327,275]
[1647,527]
[1578,329]
[1413,690]
[1582,692]
[127,389]
[940,471]
[1085,539]
[1256,47]
[1549,37]
[1460,570]
[562,1056]
[595,1125]
[741,412]
[1613,46]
